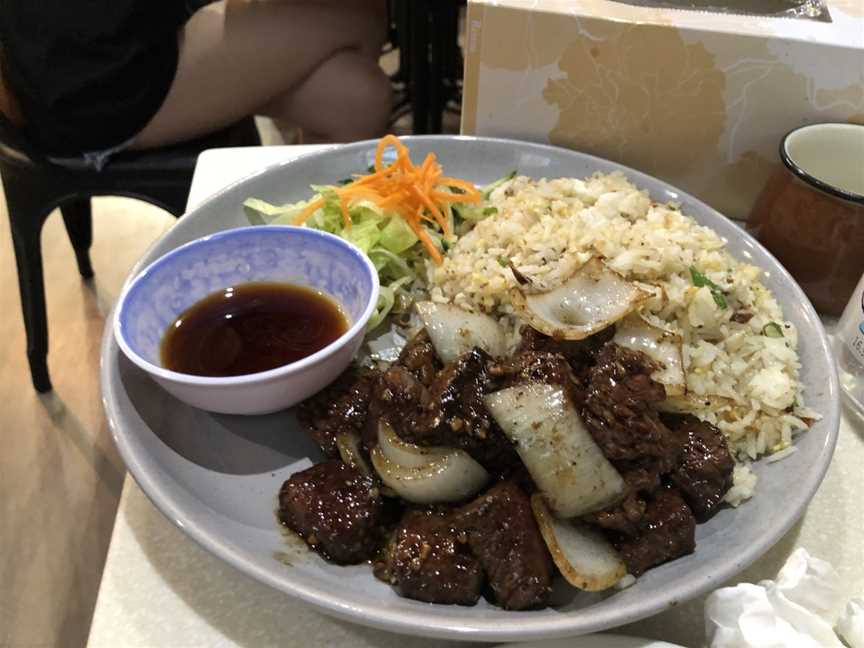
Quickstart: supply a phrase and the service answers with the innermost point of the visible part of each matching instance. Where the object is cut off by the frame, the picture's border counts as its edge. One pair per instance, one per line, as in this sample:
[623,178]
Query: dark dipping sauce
[250,328]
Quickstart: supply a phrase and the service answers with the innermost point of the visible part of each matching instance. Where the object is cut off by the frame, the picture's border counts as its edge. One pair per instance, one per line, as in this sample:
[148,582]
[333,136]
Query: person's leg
[323,114]
[310,64]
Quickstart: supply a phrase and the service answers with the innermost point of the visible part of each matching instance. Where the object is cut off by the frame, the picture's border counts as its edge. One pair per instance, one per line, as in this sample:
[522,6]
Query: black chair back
[35,186]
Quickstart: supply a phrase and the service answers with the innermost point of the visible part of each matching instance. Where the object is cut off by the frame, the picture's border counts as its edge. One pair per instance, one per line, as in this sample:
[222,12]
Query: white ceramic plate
[216,476]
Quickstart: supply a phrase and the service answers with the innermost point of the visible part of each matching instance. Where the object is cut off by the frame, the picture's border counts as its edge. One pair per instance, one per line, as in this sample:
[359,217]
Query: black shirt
[89,74]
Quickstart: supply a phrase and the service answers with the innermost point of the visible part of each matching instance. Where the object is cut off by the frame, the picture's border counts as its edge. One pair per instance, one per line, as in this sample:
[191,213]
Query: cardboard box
[698,99]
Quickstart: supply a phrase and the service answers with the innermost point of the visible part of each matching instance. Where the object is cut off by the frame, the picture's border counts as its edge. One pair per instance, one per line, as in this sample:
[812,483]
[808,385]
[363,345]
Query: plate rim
[415,622]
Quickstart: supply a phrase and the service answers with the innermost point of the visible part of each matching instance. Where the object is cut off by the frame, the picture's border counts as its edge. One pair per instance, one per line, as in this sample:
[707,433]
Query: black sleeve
[98,66]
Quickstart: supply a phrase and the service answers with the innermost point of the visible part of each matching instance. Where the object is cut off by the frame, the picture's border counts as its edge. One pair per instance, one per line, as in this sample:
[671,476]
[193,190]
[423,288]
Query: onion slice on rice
[454,331]
[565,462]
[591,299]
[661,346]
[690,402]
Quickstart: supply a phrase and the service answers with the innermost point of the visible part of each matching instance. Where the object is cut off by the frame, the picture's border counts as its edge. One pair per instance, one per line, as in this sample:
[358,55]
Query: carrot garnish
[343,206]
[417,194]
[427,241]
[309,210]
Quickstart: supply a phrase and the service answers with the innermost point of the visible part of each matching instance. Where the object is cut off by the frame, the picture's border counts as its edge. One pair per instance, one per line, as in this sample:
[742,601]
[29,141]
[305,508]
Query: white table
[160,589]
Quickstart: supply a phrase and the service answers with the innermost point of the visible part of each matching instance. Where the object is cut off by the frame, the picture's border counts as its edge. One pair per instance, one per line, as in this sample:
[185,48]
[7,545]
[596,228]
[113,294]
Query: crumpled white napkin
[799,609]
[851,624]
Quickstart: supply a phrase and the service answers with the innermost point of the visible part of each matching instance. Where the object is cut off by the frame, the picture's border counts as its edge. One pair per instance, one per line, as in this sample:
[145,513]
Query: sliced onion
[566,464]
[403,453]
[348,445]
[584,557]
[387,346]
[661,346]
[451,478]
[590,300]
[455,331]
[690,402]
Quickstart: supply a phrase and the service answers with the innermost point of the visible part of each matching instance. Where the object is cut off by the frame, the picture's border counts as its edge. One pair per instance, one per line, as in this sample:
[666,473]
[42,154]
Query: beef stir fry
[488,474]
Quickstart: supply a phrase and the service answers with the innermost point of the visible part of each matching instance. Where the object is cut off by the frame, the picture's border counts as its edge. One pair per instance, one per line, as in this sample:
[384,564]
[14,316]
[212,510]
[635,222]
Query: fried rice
[738,350]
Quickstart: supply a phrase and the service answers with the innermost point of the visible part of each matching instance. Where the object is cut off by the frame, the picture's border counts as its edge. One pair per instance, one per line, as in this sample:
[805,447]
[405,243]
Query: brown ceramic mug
[810,214]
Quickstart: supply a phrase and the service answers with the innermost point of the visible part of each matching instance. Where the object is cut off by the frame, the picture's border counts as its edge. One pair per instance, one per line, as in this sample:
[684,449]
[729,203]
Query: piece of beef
[454,408]
[581,354]
[427,559]
[667,531]
[620,409]
[620,413]
[452,414]
[537,366]
[503,534]
[336,509]
[397,396]
[625,517]
[400,391]
[420,359]
[340,407]
[704,472]
[642,477]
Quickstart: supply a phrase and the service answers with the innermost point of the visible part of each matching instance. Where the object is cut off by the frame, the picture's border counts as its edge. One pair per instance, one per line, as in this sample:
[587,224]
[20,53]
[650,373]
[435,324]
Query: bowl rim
[261,376]
[806,177]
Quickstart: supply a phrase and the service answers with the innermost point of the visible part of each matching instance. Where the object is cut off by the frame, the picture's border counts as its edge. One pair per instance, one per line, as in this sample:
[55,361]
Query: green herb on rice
[700,280]
[772,330]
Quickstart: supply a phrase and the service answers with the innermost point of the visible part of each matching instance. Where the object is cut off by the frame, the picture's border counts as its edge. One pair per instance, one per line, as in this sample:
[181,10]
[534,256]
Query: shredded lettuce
[384,236]
[389,264]
[386,300]
[396,236]
[259,212]
[364,234]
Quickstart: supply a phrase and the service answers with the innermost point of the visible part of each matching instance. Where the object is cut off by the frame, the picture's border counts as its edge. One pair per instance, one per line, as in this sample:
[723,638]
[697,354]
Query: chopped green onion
[700,280]
[772,330]
[488,211]
[502,262]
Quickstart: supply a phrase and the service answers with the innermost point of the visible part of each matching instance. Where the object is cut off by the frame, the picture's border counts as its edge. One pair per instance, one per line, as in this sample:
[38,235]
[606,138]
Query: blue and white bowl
[153,299]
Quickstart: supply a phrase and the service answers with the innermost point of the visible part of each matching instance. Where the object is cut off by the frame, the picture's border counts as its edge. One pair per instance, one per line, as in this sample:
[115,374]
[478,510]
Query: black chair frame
[34,187]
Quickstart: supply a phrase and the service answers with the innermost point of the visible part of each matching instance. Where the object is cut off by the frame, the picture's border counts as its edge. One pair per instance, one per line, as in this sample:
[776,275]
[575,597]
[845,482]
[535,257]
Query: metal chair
[429,79]
[34,187]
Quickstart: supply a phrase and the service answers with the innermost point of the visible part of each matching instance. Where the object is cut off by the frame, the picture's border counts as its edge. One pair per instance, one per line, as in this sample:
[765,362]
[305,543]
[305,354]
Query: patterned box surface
[698,99]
